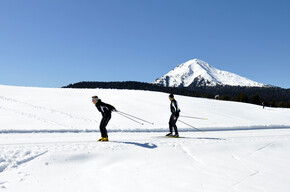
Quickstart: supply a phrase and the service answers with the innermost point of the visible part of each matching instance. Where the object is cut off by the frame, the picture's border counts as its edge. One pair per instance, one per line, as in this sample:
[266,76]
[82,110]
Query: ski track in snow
[45,110]
[18,150]
[244,179]
[53,111]
[13,158]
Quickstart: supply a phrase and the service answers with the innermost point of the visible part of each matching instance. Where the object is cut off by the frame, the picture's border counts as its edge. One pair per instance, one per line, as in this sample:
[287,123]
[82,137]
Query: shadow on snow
[144,145]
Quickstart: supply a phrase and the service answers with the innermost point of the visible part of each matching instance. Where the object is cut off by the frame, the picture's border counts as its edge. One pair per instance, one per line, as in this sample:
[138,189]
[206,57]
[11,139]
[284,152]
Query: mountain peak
[196,72]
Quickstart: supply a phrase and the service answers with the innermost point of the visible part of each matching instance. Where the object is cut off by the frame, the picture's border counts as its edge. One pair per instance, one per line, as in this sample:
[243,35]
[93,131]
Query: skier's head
[95,99]
[171,96]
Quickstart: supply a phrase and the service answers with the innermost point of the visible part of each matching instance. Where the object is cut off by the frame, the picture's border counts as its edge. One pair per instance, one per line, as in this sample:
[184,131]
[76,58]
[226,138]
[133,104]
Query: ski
[174,137]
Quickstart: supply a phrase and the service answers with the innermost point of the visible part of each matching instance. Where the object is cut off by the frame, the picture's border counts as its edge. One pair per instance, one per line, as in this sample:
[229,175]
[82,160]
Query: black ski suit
[174,116]
[106,110]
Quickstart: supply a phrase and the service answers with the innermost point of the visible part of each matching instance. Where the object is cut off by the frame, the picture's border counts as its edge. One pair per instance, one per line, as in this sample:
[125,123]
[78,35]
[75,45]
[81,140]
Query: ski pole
[130,118]
[194,117]
[190,126]
[120,112]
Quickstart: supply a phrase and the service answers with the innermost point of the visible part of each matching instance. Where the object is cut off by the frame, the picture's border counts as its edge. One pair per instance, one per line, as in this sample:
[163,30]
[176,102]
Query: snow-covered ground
[48,143]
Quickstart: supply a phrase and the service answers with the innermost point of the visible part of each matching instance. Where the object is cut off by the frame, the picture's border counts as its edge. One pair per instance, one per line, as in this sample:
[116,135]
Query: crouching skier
[174,116]
[106,110]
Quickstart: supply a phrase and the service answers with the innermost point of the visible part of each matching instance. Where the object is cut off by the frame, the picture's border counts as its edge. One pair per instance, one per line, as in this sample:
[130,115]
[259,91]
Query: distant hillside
[273,96]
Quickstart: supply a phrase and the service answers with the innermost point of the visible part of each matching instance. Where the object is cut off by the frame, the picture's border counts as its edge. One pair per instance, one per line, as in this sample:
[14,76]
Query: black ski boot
[169,135]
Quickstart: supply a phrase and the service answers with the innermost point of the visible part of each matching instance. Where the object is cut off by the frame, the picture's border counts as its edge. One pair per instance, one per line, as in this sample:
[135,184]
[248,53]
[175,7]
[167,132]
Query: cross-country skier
[106,110]
[174,116]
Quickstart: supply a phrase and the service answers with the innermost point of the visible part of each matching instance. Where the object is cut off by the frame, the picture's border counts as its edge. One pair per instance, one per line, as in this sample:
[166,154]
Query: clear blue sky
[52,43]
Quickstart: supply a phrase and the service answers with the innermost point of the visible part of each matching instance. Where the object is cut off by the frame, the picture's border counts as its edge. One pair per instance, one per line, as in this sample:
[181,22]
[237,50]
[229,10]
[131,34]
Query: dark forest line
[270,96]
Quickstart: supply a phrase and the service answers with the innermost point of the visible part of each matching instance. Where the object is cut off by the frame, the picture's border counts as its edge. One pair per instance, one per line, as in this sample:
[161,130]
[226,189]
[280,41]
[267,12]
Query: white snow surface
[196,70]
[48,142]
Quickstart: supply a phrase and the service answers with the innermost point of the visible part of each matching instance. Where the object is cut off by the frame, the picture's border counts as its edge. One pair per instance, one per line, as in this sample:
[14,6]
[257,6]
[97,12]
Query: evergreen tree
[256,99]
[242,98]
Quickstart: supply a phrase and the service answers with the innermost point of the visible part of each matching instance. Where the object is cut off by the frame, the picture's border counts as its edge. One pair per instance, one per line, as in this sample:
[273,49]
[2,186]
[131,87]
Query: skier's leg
[174,124]
[171,120]
[105,122]
[102,126]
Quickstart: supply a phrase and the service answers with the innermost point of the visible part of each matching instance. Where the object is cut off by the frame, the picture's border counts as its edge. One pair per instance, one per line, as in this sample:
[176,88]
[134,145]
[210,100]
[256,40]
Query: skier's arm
[111,107]
[114,109]
[176,109]
[175,105]
[100,109]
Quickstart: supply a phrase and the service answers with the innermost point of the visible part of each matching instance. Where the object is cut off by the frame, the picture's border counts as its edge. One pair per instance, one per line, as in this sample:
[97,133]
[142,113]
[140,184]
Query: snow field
[65,110]
[213,161]
[48,143]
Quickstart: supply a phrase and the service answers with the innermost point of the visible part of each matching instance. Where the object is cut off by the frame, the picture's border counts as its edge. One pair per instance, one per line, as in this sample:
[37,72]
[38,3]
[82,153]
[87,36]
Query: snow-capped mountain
[199,73]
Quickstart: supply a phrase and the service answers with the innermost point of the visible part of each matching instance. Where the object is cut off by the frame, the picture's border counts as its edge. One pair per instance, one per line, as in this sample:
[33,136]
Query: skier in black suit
[174,116]
[106,110]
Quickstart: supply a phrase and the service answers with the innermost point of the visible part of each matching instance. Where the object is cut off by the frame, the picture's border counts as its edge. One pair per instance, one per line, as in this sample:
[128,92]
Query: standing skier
[174,116]
[263,104]
[106,110]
